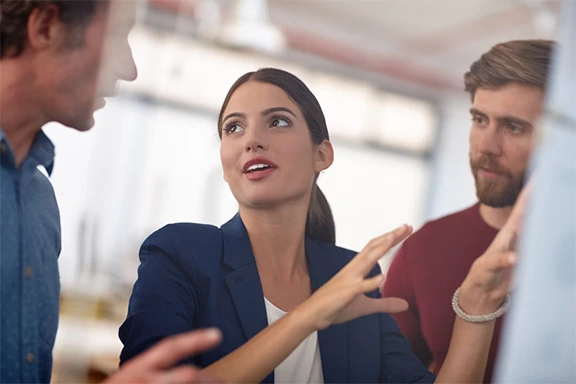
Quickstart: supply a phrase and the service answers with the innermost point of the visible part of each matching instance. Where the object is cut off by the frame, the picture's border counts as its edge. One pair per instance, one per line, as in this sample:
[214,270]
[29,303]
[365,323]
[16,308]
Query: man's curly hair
[14,14]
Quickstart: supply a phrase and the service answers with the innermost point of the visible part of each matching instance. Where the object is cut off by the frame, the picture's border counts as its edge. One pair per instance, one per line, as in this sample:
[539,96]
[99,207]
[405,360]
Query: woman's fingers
[173,349]
[186,375]
[496,262]
[491,274]
[346,289]
[371,284]
[515,220]
[506,238]
[390,305]
[364,305]
[377,247]
[370,306]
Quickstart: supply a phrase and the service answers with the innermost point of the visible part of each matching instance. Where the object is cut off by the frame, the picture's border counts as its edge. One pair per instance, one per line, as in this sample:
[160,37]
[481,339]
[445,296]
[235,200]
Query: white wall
[452,184]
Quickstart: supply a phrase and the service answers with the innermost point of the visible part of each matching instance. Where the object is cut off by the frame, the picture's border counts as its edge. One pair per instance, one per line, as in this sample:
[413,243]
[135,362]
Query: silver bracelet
[478,318]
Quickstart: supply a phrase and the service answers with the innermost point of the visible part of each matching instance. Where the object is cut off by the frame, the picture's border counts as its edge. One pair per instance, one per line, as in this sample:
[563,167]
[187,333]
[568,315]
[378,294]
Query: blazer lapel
[243,280]
[244,284]
[334,339]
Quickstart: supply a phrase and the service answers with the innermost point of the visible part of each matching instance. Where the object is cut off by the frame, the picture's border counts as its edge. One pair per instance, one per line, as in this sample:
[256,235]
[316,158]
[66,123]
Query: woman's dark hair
[319,222]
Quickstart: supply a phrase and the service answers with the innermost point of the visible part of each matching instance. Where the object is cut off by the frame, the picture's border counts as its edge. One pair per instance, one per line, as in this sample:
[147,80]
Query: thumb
[508,234]
[501,260]
[385,305]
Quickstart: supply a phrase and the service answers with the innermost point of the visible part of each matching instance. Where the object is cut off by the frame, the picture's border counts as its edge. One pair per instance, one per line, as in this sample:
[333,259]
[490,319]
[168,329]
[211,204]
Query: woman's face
[267,154]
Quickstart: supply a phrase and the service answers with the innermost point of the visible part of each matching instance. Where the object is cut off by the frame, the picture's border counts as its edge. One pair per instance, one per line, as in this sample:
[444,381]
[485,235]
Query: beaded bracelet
[478,318]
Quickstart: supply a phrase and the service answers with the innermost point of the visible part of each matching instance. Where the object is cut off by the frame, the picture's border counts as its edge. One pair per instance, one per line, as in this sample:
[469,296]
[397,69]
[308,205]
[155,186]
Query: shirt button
[29,272]
[30,358]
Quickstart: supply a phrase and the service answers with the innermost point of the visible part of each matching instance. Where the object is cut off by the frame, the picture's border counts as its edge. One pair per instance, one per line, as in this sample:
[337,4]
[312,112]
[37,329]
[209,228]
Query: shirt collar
[42,150]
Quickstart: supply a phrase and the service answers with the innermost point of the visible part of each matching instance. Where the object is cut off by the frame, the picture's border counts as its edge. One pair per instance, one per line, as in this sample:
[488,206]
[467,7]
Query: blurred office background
[388,74]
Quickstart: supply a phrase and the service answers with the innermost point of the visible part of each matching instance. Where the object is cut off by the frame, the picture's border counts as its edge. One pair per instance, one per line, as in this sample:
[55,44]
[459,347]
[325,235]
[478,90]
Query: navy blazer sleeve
[165,296]
[399,363]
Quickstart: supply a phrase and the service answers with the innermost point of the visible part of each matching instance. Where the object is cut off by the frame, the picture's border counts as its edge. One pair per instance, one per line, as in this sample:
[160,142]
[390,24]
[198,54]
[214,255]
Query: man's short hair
[523,62]
[14,14]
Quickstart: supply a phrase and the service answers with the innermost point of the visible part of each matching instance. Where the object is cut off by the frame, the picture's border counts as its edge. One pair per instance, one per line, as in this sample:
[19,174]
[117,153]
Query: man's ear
[45,30]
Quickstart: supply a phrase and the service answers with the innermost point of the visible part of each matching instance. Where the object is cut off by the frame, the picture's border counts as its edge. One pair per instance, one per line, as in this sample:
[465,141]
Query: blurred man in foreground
[58,61]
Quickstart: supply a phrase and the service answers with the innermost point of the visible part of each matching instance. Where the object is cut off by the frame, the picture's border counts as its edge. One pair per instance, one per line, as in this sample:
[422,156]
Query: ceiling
[428,42]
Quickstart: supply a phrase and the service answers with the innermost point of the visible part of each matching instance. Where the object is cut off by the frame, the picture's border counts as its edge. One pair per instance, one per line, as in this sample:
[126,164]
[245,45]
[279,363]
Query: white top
[303,365]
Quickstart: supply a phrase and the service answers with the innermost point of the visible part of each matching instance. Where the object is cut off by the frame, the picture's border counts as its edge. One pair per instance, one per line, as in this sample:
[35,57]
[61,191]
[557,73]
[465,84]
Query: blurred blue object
[539,338]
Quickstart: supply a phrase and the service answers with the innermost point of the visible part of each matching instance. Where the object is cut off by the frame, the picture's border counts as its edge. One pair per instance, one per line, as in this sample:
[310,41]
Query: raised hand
[489,279]
[156,364]
[343,297]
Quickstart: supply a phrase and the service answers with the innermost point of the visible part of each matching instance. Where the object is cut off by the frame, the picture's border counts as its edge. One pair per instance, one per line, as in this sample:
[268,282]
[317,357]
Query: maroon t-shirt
[428,268]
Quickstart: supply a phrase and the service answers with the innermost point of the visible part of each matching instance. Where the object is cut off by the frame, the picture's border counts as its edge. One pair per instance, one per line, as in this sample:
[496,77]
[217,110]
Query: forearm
[468,353]
[253,361]
[470,344]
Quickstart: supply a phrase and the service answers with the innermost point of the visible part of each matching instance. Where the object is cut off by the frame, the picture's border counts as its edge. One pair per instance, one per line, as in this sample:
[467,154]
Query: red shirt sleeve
[398,284]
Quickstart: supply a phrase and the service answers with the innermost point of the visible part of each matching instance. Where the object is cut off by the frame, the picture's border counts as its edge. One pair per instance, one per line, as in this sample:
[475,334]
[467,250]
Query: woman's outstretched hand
[489,279]
[343,297]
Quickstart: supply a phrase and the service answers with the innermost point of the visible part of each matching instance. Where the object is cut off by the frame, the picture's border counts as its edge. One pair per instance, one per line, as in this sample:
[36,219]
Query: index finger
[515,220]
[176,348]
[506,237]
[378,247]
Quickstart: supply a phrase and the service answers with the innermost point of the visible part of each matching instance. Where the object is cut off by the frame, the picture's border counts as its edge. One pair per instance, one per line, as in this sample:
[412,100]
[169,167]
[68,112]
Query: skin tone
[262,122]
[54,81]
[501,141]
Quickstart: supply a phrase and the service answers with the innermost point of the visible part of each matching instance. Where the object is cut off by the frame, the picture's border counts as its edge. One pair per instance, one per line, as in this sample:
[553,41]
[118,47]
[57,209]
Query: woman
[293,307]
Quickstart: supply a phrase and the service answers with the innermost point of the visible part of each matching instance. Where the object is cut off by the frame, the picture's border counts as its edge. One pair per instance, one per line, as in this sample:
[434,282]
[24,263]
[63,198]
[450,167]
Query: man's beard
[497,193]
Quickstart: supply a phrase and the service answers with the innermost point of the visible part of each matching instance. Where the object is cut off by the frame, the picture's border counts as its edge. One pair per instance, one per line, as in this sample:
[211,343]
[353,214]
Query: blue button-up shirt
[29,278]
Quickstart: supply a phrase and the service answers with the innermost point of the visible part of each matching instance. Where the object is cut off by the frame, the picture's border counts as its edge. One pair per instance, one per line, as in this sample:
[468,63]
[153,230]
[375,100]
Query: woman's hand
[489,279]
[343,297]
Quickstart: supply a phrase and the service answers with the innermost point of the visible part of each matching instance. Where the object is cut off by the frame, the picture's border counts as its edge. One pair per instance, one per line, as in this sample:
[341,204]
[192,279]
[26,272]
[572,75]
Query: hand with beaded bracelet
[483,296]
[480,300]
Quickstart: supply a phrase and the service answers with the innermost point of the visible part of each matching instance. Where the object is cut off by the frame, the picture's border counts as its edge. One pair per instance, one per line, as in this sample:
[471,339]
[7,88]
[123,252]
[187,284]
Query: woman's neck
[277,238]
